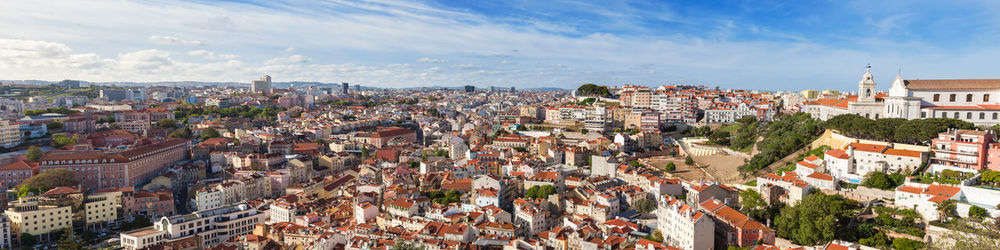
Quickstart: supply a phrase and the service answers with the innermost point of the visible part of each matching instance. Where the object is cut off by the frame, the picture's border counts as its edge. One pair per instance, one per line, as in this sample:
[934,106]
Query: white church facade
[972,100]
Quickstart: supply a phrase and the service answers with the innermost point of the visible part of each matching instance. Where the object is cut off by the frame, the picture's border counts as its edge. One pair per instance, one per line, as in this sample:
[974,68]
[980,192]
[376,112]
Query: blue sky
[770,45]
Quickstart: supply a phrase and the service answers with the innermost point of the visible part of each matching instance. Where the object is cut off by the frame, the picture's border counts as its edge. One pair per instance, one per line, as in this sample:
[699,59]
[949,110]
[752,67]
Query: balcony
[953,160]
[954,152]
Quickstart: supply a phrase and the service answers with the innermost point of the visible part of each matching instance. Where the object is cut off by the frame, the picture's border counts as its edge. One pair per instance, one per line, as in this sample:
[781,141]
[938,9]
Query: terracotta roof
[18,165]
[902,152]
[807,164]
[838,153]
[910,189]
[869,147]
[820,176]
[952,84]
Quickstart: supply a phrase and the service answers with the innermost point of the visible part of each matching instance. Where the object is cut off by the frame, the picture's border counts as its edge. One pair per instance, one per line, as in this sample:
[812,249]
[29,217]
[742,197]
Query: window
[968,98]
[994,116]
[956,115]
[968,115]
[982,116]
[951,98]
[986,97]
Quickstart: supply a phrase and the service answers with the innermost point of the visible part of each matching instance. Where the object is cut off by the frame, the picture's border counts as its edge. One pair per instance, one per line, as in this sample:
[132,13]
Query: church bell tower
[866,87]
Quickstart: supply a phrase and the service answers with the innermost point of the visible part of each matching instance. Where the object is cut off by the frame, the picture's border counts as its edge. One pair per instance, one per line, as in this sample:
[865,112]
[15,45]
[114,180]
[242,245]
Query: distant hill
[247,85]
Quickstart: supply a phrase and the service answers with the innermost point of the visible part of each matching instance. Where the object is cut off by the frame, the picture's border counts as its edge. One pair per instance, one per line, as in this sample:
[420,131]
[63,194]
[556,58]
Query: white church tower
[867,105]
[866,87]
[900,103]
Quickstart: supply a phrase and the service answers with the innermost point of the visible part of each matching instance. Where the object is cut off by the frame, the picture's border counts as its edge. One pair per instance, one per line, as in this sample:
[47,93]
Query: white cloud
[169,40]
[467,66]
[430,60]
[289,60]
[371,44]
[211,55]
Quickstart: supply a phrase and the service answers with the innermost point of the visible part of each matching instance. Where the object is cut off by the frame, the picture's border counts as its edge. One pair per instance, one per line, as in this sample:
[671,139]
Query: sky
[765,45]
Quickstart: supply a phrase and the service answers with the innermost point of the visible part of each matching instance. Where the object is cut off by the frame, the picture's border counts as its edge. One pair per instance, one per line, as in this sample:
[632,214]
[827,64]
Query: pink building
[107,169]
[965,149]
[151,204]
[13,174]
[733,228]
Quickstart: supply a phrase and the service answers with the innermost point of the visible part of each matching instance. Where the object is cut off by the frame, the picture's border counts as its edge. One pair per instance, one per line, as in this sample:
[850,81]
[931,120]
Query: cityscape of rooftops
[433,124]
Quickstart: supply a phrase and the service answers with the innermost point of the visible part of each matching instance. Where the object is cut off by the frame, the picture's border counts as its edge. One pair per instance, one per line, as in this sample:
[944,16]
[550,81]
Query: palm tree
[945,209]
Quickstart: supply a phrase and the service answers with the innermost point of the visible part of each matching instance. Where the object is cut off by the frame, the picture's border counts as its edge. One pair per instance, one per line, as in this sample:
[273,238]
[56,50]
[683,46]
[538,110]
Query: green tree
[137,223]
[656,236]
[34,153]
[782,136]
[879,240]
[645,205]
[720,138]
[28,240]
[946,209]
[670,167]
[814,220]
[53,125]
[531,193]
[977,212]
[402,245]
[688,160]
[69,240]
[635,163]
[906,244]
[167,123]
[878,180]
[209,133]
[180,133]
[590,89]
[49,179]
[753,203]
[61,139]
[364,152]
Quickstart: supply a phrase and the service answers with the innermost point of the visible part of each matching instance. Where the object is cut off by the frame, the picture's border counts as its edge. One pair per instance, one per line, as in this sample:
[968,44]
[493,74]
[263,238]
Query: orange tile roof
[820,176]
[910,189]
[902,152]
[838,153]
[869,147]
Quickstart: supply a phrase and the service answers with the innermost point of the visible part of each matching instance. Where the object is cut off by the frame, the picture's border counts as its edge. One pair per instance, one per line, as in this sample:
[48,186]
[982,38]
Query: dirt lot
[683,171]
[722,167]
[725,168]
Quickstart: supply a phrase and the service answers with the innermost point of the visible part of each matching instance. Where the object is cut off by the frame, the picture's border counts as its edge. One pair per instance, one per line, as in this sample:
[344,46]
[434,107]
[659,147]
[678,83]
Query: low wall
[839,141]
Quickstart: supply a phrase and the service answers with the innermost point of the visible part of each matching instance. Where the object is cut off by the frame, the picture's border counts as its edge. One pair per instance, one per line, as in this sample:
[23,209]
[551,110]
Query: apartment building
[14,173]
[101,208]
[961,150]
[788,188]
[5,232]
[733,228]
[214,226]
[683,225]
[10,134]
[858,159]
[109,169]
[28,216]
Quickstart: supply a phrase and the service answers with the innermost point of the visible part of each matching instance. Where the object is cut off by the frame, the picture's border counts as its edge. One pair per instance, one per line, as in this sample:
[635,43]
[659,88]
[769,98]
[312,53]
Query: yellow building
[831,92]
[810,94]
[102,207]
[10,134]
[26,216]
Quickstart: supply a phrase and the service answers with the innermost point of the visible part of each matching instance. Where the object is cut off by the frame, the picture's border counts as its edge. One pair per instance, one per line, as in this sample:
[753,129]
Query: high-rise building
[71,84]
[262,86]
[470,88]
[345,87]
